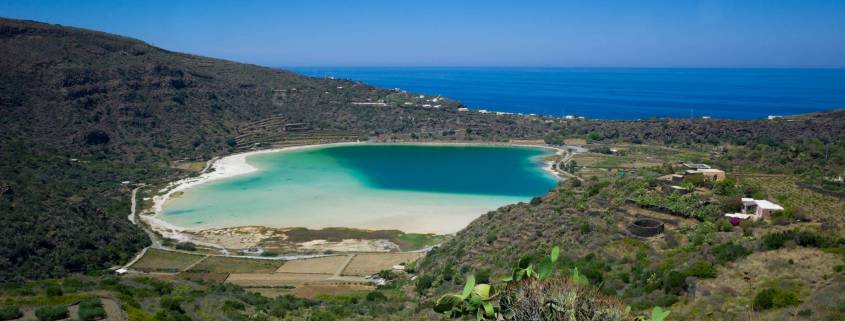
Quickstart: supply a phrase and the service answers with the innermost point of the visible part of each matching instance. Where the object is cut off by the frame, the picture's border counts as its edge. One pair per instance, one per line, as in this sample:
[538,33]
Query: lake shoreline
[236,164]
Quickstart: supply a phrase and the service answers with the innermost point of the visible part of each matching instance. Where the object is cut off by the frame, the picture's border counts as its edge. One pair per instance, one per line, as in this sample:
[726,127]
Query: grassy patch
[165,261]
[218,264]
[415,241]
[336,234]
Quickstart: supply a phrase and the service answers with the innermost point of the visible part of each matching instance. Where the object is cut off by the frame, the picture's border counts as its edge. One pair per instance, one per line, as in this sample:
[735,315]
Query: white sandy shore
[236,164]
[222,168]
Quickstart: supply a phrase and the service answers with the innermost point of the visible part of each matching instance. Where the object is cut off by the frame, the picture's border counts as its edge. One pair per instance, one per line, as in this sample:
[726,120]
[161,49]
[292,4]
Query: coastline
[236,164]
[221,168]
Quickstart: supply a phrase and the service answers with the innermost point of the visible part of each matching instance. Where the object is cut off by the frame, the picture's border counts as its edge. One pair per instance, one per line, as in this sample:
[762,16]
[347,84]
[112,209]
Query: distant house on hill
[756,209]
[709,173]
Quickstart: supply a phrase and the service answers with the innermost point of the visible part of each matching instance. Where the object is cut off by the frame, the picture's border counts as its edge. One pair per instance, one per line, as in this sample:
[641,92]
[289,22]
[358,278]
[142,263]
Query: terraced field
[322,265]
[785,190]
[372,263]
[156,260]
[220,264]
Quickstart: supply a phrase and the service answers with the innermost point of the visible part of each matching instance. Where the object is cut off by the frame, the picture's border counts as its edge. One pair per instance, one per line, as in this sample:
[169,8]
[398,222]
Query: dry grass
[732,293]
[575,141]
[189,166]
[219,264]
[372,263]
[321,265]
[165,261]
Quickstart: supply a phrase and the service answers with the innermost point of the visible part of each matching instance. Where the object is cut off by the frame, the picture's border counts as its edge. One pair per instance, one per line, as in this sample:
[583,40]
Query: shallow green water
[415,188]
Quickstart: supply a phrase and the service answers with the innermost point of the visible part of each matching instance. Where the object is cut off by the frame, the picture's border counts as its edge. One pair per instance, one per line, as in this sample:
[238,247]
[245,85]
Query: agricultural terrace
[156,260]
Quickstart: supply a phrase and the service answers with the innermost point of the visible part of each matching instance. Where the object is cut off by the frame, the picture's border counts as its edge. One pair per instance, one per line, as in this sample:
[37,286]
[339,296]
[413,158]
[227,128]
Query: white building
[463,109]
[756,209]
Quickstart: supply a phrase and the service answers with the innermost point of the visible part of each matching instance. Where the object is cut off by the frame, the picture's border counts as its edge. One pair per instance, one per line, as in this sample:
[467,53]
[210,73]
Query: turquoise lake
[414,188]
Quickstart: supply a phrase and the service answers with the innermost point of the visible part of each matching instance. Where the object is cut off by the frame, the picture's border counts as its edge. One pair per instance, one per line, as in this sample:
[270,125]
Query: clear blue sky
[642,33]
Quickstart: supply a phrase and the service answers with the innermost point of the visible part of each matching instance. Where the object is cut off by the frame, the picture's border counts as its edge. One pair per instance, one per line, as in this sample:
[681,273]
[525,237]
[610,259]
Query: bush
[776,240]
[186,246]
[701,269]
[585,228]
[233,305]
[724,225]
[775,298]
[171,303]
[729,252]
[423,283]
[530,299]
[91,309]
[54,291]
[674,282]
[52,312]
[10,313]
[375,296]
[482,276]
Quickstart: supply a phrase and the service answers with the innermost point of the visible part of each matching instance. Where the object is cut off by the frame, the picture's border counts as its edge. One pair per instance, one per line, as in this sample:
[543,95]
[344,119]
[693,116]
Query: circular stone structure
[646,227]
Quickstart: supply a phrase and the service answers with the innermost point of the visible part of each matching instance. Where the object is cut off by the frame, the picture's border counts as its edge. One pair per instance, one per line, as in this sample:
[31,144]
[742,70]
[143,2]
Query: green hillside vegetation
[84,111]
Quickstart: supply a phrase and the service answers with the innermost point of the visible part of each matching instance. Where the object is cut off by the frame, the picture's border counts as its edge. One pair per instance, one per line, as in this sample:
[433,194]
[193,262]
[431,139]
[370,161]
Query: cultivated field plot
[320,265]
[785,191]
[372,263]
[267,280]
[165,261]
[220,264]
[597,160]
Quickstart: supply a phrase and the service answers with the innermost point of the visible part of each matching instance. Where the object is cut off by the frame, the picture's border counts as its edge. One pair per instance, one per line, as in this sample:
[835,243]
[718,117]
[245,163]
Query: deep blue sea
[616,93]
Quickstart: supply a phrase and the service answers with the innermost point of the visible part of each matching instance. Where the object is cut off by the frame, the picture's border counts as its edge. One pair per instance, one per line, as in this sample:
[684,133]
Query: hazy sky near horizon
[678,33]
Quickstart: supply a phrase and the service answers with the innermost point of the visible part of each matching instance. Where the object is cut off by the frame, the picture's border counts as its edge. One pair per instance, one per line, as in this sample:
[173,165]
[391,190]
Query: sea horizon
[614,93]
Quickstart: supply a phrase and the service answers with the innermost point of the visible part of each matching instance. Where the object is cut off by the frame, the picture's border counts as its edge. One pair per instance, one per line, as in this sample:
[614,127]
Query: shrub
[233,305]
[376,296]
[10,313]
[724,225]
[171,303]
[674,282]
[775,298]
[186,246]
[423,283]
[557,298]
[776,240]
[482,276]
[701,269]
[91,309]
[729,252]
[54,291]
[585,228]
[52,312]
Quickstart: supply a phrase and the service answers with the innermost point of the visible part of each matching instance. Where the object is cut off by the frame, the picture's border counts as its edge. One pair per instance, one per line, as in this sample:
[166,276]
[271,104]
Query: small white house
[756,209]
[463,109]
